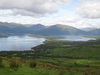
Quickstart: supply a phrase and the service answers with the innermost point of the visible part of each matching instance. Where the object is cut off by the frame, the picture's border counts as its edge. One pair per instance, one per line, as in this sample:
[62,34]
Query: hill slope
[88,29]
[95,31]
[37,27]
[61,30]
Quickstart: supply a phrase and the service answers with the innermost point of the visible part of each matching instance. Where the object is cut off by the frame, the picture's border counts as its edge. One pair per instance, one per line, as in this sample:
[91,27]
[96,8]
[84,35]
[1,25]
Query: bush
[87,65]
[33,64]
[1,64]
[14,64]
[62,72]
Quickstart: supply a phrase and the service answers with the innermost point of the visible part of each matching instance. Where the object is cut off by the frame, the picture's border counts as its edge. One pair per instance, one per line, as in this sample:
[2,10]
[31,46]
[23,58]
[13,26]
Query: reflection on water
[19,43]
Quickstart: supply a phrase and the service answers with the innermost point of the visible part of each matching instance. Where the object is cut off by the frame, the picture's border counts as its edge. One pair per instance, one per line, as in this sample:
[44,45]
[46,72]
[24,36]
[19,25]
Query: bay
[19,43]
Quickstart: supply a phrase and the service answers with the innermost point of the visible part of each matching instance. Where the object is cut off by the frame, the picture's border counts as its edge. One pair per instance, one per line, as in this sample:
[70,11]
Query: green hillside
[54,58]
[16,66]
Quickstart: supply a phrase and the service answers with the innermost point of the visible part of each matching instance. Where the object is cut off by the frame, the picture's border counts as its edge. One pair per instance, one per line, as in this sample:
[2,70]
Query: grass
[96,37]
[75,63]
[54,58]
[25,69]
[78,52]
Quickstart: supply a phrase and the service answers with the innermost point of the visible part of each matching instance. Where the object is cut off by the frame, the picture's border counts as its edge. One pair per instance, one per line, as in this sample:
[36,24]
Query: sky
[76,13]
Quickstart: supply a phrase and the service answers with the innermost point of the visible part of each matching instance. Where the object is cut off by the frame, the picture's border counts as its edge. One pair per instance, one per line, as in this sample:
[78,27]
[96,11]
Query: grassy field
[54,58]
[15,66]
[96,37]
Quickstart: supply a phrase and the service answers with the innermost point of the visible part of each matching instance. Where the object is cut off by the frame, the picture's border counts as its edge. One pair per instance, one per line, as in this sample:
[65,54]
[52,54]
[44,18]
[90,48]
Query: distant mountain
[4,29]
[10,25]
[20,30]
[61,30]
[14,28]
[37,27]
[95,32]
[88,29]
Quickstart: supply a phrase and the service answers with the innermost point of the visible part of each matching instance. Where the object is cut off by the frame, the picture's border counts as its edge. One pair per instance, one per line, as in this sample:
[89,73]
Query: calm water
[76,38]
[26,43]
[19,43]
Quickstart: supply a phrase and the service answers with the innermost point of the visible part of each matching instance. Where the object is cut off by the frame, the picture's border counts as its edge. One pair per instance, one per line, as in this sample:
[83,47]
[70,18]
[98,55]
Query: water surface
[76,38]
[19,43]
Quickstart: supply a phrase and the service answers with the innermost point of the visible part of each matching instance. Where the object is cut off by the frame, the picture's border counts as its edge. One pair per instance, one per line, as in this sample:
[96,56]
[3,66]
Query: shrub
[87,65]
[14,64]
[62,72]
[33,64]
[1,64]
[75,64]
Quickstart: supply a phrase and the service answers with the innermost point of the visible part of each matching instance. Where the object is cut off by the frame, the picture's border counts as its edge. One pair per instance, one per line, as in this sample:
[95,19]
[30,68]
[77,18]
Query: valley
[50,37]
[54,50]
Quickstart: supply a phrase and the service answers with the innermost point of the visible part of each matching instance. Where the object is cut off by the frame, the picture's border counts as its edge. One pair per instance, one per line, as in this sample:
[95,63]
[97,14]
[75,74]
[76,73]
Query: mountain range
[39,29]
[95,31]
[59,29]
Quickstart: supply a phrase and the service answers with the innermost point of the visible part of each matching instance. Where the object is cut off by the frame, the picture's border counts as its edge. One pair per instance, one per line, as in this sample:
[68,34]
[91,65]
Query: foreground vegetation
[55,58]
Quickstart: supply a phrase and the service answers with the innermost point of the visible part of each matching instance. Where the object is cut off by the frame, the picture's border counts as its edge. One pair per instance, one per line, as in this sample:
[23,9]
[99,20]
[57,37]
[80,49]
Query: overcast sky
[77,13]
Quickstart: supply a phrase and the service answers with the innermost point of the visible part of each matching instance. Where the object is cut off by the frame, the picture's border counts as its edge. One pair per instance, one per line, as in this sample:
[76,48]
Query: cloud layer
[89,8]
[33,7]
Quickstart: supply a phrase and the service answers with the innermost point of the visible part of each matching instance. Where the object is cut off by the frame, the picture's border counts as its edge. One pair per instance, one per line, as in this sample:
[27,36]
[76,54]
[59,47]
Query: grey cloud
[33,7]
[89,8]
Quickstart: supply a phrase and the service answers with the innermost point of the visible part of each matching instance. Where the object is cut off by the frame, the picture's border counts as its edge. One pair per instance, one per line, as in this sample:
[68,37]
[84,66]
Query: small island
[3,35]
[47,37]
